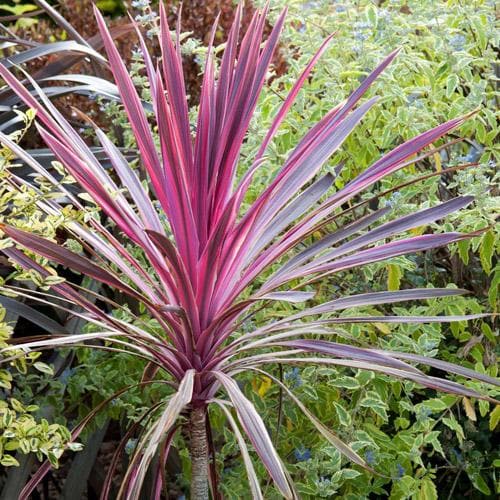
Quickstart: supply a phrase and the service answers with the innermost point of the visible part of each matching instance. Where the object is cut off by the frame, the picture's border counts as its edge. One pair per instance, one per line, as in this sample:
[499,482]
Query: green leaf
[455,426]
[451,85]
[372,400]
[435,405]
[350,473]
[463,250]
[480,484]
[401,423]
[486,250]
[493,291]
[427,490]
[345,382]
[9,461]
[16,405]
[488,333]
[484,408]
[480,32]
[344,417]
[433,438]
[480,132]
[494,418]
[44,368]
[371,14]
[394,275]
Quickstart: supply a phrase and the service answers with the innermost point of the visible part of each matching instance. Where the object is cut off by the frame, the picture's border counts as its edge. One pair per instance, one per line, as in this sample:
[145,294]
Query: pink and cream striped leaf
[211,263]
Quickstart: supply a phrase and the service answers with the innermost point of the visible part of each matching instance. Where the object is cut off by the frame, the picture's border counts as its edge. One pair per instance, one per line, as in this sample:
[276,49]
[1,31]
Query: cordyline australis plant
[212,261]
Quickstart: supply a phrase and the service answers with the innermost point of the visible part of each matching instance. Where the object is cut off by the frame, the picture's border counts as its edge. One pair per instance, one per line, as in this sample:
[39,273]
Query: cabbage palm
[213,262]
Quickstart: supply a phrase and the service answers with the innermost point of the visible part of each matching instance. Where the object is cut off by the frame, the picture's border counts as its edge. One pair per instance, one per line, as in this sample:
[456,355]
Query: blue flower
[457,43]
[400,471]
[473,155]
[412,97]
[146,18]
[323,482]
[394,199]
[370,457]
[357,49]
[384,14]
[360,36]
[362,25]
[130,446]
[302,454]
[293,377]
[141,4]
[458,455]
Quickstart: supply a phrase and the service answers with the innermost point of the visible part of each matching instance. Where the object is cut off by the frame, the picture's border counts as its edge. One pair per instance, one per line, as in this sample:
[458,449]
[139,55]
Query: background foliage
[426,445]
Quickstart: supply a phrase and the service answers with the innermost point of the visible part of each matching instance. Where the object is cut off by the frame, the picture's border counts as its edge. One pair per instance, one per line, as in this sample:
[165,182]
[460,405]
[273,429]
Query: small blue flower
[323,482]
[384,14]
[146,18]
[340,8]
[370,457]
[394,199]
[302,454]
[140,4]
[473,155]
[360,36]
[293,377]
[457,43]
[357,49]
[458,455]
[400,471]
[130,446]
[412,97]
[362,25]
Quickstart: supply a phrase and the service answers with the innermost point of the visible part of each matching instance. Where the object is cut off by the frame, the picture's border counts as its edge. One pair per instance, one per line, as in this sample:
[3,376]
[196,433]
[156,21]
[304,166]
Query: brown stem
[199,454]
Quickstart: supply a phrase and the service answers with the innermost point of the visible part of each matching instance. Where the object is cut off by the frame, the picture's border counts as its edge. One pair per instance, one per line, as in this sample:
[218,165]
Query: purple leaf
[257,433]
[375,298]
[344,351]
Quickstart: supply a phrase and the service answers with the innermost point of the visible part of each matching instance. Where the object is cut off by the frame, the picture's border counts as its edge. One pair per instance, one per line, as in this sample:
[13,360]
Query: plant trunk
[199,455]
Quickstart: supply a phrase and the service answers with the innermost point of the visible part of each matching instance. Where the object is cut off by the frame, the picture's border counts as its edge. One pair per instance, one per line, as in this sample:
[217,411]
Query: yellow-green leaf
[494,418]
[427,490]
[486,250]
[469,409]
[394,276]
[9,461]
[451,85]
[264,386]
